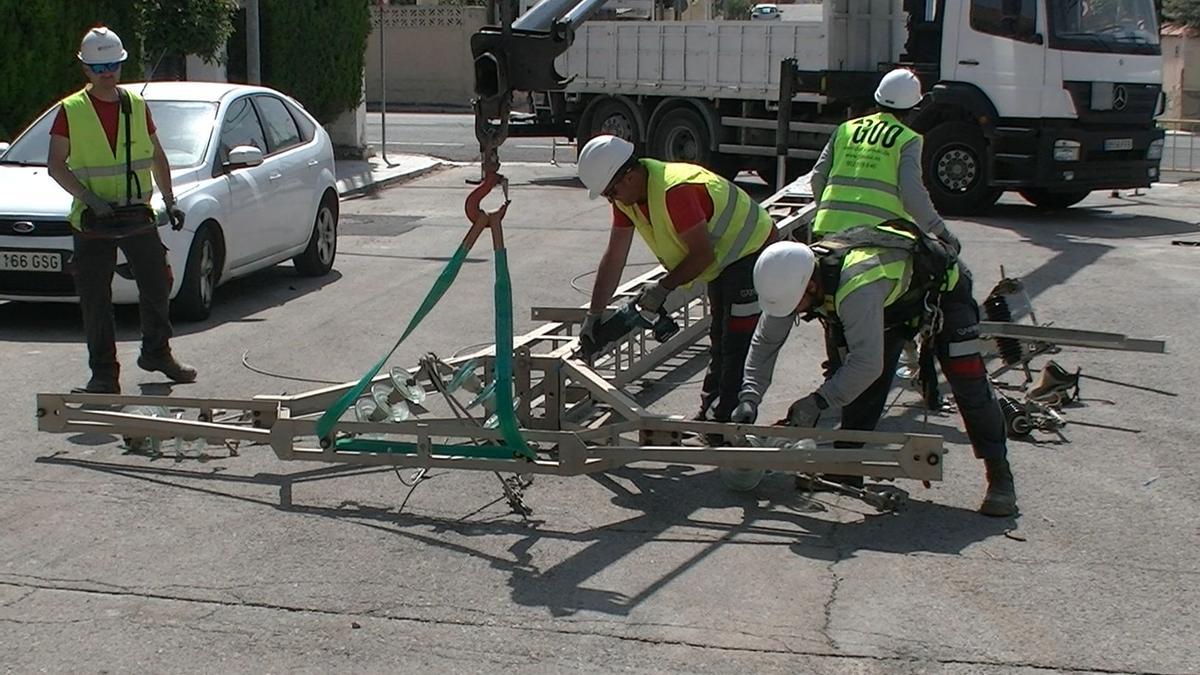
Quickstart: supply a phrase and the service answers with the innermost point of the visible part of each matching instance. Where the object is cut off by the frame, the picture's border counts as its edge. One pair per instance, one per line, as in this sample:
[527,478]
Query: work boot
[100,384]
[167,365]
[1055,386]
[1001,498]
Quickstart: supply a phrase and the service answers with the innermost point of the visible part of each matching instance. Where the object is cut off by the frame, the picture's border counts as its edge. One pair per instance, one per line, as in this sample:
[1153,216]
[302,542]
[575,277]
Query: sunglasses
[611,191]
[101,68]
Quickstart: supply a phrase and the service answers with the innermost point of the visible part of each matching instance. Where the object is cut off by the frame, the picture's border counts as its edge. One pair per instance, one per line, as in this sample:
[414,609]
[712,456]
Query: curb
[390,180]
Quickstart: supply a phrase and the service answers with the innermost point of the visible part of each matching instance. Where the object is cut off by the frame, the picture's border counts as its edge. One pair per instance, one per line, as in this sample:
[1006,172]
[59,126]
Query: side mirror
[243,156]
[4,147]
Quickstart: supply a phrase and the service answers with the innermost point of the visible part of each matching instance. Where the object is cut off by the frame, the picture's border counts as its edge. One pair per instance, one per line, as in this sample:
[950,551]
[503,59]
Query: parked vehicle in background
[765,12]
[252,171]
[1049,99]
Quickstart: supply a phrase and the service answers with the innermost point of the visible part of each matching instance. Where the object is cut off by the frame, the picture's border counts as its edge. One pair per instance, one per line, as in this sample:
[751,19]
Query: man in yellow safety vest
[104,152]
[703,229]
[870,170]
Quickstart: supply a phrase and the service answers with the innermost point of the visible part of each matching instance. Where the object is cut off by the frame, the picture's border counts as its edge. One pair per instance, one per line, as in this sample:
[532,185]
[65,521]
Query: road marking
[444,145]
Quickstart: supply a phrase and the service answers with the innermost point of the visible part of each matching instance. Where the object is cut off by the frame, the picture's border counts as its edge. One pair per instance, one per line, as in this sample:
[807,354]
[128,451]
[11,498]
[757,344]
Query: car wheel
[317,258]
[956,169]
[200,277]
[1053,200]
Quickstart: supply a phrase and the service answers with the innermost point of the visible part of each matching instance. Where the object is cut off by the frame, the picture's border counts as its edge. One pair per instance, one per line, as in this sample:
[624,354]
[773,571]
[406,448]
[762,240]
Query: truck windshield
[1124,26]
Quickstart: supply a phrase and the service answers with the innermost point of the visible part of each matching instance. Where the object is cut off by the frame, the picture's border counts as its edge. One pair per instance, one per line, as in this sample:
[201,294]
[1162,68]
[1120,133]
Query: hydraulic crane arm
[519,56]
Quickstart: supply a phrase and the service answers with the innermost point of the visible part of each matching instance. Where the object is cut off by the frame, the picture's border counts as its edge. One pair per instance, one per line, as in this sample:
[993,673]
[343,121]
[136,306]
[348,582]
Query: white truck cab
[1063,94]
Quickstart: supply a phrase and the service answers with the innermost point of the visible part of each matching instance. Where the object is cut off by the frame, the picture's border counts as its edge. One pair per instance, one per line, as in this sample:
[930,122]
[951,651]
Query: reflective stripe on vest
[738,227]
[863,186]
[96,164]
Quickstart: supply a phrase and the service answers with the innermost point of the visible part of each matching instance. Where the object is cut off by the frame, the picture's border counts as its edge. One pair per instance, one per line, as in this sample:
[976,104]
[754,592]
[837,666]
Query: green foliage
[314,50]
[736,10]
[1182,11]
[41,67]
[181,27]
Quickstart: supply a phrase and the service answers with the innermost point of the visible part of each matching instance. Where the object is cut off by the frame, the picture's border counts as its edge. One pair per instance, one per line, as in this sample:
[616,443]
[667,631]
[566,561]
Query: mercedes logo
[23,227]
[1120,98]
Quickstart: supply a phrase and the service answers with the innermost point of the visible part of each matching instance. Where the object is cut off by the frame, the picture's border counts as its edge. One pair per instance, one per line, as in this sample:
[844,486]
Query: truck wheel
[613,116]
[200,276]
[956,169]
[1053,200]
[681,136]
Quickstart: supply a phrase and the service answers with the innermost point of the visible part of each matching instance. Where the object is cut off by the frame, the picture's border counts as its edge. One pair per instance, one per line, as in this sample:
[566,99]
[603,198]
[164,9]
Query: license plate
[1118,144]
[31,261]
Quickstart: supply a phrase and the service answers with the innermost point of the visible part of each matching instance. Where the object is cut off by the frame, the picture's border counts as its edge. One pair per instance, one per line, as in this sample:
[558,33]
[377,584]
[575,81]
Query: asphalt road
[115,562]
[451,136]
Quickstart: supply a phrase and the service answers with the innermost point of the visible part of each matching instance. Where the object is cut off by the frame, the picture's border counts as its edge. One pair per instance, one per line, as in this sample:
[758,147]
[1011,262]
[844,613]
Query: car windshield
[183,130]
[1115,25]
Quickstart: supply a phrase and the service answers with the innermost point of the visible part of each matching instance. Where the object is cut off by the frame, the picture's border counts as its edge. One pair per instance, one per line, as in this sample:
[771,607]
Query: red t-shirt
[107,111]
[689,205]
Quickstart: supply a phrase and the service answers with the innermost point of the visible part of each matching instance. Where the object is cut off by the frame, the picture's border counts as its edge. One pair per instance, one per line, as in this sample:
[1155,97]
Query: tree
[1182,11]
[172,29]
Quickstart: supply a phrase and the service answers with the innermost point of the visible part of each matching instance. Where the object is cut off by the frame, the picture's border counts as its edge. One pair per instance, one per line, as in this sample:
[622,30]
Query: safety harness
[932,263]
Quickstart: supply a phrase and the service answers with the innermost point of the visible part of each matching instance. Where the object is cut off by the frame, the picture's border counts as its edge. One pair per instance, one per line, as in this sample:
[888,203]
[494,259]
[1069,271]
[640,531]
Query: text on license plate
[30,261]
[1118,144]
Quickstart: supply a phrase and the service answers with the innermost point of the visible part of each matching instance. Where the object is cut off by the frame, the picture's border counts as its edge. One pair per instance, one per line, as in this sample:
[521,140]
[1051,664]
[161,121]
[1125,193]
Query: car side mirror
[243,156]
[4,147]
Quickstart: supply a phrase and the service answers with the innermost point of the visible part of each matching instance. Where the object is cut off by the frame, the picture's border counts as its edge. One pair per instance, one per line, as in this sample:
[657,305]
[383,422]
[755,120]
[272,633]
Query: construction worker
[104,152]
[702,228]
[870,170]
[874,287]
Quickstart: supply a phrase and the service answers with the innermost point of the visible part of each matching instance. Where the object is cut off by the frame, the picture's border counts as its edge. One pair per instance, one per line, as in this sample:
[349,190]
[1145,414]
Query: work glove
[805,412]
[951,241]
[176,216]
[652,298]
[99,207]
[591,324]
[745,413]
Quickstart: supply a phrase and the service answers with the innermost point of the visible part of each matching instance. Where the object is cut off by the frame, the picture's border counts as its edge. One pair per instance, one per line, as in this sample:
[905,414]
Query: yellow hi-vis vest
[94,162]
[738,227]
[864,185]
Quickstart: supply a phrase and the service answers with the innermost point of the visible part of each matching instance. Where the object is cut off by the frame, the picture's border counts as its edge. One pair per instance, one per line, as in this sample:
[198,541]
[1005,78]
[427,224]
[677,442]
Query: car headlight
[1155,150]
[1066,150]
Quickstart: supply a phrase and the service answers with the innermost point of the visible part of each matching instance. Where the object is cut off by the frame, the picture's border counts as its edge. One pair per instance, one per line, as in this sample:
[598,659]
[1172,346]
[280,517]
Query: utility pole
[253,54]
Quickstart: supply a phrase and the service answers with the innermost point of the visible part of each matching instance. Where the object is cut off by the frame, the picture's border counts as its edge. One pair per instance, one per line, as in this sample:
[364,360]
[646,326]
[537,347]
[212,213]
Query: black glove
[99,207]
[745,413]
[951,241]
[590,325]
[176,216]
[653,297]
[806,411]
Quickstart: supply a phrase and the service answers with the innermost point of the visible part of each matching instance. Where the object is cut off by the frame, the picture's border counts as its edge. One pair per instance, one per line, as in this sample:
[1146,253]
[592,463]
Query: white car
[252,171]
[765,12]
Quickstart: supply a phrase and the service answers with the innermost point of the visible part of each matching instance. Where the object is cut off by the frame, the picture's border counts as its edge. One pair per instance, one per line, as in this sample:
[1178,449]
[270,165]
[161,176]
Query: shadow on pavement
[669,502]
[236,301]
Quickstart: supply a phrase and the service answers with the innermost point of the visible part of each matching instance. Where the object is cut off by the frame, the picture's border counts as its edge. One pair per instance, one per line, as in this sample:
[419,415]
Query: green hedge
[313,50]
[40,66]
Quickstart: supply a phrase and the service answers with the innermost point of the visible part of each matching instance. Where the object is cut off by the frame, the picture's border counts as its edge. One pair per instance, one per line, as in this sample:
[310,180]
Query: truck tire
[682,136]
[612,116]
[956,169]
[1053,200]
[200,277]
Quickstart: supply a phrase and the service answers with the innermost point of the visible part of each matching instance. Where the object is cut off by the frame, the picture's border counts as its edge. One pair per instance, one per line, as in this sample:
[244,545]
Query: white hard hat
[899,89]
[781,276]
[600,160]
[101,45]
